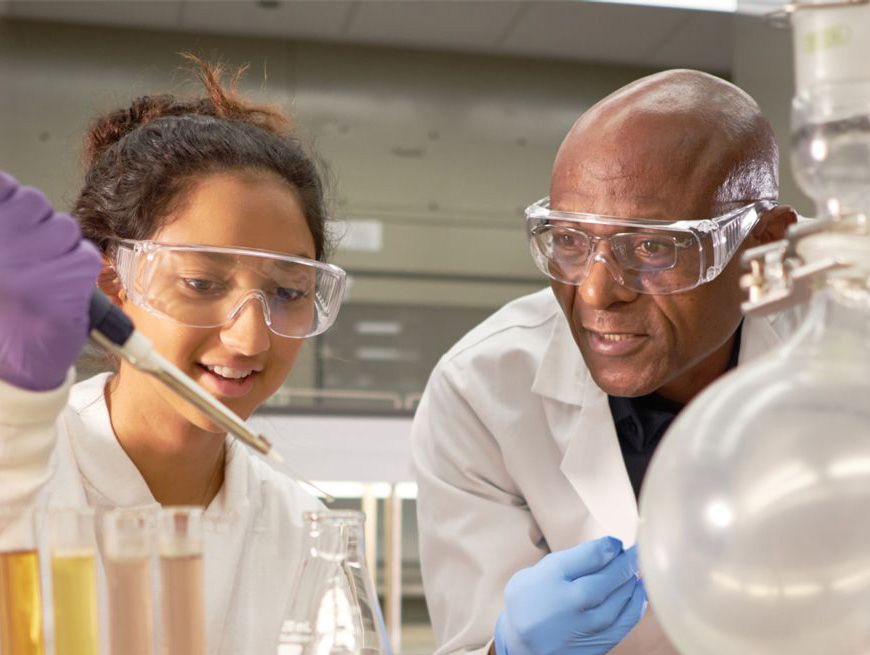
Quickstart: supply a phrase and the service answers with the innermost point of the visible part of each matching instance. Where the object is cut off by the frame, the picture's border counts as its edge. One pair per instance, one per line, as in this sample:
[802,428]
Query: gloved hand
[579,601]
[47,272]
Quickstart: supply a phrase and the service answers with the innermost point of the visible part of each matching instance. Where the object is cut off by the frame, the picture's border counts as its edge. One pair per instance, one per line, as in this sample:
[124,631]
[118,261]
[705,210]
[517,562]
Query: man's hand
[581,601]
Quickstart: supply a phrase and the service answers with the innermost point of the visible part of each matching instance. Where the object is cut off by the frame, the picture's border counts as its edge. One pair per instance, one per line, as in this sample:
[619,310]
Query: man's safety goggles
[644,255]
[205,286]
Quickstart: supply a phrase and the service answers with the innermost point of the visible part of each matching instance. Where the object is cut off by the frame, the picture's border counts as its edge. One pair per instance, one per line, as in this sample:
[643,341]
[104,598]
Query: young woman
[208,221]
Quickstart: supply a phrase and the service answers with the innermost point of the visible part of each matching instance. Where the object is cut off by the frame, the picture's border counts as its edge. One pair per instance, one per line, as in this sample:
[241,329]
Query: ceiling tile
[131,13]
[311,19]
[471,25]
[705,40]
[595,32]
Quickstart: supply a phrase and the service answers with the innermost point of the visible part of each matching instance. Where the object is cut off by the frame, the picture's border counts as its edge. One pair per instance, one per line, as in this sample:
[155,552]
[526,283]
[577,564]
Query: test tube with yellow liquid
[21,631]
[74,582]
[182,581]
[129,545]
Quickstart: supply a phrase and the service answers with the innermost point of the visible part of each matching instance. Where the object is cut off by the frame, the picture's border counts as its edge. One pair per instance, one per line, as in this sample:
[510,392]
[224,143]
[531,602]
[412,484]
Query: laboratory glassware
[129,548]
[21,617]
[182,581]
[74,581]
[334,609]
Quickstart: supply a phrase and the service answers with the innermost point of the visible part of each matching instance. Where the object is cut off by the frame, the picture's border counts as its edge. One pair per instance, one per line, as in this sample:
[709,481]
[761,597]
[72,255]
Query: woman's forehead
[236,211]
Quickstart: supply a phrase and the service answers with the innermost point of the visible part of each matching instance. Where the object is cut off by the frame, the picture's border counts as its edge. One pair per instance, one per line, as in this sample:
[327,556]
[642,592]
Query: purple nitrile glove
[47,273]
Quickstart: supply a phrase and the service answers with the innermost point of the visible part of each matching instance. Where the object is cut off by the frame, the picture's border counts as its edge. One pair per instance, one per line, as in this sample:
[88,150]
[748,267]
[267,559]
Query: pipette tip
[274,456]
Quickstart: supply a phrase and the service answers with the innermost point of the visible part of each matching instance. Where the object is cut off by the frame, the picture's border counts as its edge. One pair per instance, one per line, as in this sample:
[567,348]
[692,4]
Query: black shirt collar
[641,421]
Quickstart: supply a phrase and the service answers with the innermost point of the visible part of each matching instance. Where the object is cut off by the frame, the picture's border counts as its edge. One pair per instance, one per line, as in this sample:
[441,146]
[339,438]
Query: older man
[535,431]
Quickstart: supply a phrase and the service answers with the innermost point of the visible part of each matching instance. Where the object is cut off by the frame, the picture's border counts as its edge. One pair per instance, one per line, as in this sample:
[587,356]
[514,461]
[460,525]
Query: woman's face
[244,210]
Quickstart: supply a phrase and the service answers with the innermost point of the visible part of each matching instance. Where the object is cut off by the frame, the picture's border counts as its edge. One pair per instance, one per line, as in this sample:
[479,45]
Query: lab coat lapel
[226,528]
[579,419]
[762,334]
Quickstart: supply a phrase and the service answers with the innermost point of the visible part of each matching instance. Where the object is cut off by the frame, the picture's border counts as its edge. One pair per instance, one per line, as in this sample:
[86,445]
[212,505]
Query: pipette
[112,329]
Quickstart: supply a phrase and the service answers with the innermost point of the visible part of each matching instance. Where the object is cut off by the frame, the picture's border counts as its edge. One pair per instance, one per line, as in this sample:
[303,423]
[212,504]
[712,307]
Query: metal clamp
[778,278]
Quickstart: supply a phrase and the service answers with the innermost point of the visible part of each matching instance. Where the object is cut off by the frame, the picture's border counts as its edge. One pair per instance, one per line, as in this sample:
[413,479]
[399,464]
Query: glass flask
[831,107]
[334,609]
[754,536]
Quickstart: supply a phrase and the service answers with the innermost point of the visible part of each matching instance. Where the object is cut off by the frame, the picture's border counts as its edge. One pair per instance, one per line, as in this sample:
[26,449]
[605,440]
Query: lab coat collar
[592,459]
[562,373]
[763,334]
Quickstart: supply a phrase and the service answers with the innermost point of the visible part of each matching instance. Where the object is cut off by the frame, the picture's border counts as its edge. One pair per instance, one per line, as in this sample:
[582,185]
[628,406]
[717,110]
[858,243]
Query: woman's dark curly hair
[143,160]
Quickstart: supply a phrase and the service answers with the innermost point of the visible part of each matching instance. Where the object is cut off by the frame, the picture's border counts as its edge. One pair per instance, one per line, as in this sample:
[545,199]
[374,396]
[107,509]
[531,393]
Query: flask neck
[335,536]
[838,322]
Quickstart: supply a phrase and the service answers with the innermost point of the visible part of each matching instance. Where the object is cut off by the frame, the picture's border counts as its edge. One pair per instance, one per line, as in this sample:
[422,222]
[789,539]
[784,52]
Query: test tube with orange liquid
[21,620]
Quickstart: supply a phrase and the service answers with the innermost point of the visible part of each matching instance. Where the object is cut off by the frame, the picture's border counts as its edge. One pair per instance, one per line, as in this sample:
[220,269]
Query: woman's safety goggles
[205,286]
[645,255]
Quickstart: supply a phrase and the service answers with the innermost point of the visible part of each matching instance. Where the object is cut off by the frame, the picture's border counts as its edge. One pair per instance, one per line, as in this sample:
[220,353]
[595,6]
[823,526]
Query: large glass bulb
[754,535]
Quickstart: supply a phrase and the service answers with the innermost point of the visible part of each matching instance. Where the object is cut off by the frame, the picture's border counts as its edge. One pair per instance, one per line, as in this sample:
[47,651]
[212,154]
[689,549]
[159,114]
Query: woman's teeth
[230,373]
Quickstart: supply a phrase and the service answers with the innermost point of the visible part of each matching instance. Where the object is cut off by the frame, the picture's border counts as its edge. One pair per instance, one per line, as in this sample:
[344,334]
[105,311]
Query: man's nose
[600,289]
[247,333]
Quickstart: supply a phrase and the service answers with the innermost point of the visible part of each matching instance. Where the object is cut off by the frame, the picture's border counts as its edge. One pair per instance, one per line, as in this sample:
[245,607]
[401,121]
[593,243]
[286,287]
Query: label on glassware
[831,44]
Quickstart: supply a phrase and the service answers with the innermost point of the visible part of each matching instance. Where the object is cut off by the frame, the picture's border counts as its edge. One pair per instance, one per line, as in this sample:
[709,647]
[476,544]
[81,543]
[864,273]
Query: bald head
[678,142]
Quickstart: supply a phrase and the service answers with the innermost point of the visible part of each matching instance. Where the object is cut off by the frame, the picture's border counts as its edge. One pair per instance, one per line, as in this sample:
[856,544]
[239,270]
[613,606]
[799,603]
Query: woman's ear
[110,284]
[774,224]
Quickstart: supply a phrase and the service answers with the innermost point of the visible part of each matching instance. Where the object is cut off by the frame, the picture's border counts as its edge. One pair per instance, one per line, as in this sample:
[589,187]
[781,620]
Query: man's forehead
[633,184]
[628,205]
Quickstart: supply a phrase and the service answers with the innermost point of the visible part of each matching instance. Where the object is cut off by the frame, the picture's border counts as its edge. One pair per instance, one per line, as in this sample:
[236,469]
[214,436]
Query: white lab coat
[59,453]
[517,455]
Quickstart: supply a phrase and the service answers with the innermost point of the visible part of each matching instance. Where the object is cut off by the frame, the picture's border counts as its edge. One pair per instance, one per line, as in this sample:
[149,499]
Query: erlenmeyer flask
[334,609]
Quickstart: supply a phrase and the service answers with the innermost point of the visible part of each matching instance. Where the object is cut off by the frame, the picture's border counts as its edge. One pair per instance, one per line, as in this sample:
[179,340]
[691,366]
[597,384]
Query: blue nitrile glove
[579,601]
[47,274]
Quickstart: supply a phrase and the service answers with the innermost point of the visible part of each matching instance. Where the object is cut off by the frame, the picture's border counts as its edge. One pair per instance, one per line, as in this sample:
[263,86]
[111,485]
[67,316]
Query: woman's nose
[248,332]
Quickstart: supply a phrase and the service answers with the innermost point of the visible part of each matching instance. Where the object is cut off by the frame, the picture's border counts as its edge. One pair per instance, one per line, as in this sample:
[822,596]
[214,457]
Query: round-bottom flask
[754,535]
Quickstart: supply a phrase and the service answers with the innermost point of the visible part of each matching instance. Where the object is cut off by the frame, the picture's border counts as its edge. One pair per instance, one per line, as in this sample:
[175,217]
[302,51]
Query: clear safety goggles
[206,286]
[645,255]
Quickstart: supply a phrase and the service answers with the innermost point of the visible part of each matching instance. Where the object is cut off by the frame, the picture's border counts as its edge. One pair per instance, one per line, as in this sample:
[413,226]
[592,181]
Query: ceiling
[656,37]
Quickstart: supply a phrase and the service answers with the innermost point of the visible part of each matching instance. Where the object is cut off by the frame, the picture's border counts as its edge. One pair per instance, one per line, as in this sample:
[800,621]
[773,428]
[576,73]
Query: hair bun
[219,101]
[110,128]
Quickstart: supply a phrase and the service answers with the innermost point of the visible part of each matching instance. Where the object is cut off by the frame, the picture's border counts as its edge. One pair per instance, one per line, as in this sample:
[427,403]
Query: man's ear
[110,284]
[774,224]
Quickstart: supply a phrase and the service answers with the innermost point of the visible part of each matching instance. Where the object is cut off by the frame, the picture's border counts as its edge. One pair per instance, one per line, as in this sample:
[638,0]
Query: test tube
[129,541]
[21,631]
[74,581]
[182,581]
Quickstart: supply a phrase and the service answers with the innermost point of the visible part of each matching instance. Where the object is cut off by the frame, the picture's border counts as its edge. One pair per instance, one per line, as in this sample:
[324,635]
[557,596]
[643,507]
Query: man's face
[635,344]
